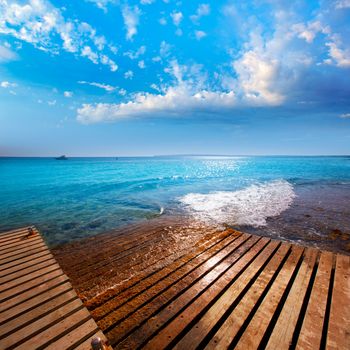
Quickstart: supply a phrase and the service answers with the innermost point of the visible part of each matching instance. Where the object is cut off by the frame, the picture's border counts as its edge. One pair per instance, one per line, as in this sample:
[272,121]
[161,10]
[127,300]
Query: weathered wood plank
[26,265]
[18,282]
[19,320]
[75,336]
[15,233]
[163,295]
[10,293]
[255,331]
[283,330]
[338,335]
[20,244]
[86,345]
[27,272]
[24,254]
[141,282]
[311,331]
[36,326]
[166,335]
[35,301]
[55,331]
[25,237]
[231,326]
[26,259]
[38,307]
[27,248]
[31,293]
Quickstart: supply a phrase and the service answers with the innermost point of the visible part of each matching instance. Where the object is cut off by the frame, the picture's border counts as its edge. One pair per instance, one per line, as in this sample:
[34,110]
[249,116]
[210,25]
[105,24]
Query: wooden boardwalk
[38,307]
[230,290]
[234,290]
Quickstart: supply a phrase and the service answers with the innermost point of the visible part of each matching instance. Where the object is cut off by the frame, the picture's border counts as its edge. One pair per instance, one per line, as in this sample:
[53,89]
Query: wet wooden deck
[228,291]
[38,307]
[233,290]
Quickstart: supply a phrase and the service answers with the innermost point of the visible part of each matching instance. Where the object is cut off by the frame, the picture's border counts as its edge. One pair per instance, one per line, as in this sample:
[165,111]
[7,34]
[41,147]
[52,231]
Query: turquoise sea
[291,197]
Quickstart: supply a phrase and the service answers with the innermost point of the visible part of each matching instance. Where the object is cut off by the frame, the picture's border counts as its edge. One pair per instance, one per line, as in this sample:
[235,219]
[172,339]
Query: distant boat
[61,158]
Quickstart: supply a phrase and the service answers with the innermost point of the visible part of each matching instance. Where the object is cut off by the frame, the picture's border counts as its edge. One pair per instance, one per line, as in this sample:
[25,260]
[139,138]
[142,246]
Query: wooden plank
[311,331]
[26,271]
[215,313]
[35,301]
[172,274]
[160,293]
[43,287]
[176,326]
[26,264]
[20,244]
[25,254]
[57,330]
[10,293]
[75,336]
[23,279]
[19,320]
[283,330]
[17,240]
[15,233]
[255,331]
[36,326]
[338,335]
[86,345]
[38,306]
[5,256]
[15,237]
[24,260]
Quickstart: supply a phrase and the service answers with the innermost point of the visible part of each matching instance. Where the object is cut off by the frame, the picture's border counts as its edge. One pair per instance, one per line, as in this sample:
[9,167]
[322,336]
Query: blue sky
[148,77]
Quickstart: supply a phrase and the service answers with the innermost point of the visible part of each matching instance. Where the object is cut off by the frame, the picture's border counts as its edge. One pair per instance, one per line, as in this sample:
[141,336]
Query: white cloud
[129,74]
[175,102]
[7,84]
[202,10]
[257,76]
[163,21]
[41,24]
[164,49]
[92,56]
[190,94]
[133,55]
[106,87]
[199,34]
[338,56]
[147,2]
[6,54]
[342,4]
[345,115]
[177,17]
[141,64]
[309,30]
[51,103]
[131,16]
[107,61]
[184,97]
[102,4]
[68,94]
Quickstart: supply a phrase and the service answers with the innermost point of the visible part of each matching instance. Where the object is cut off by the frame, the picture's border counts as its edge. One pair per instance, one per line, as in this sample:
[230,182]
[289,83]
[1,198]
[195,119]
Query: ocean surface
[295,198]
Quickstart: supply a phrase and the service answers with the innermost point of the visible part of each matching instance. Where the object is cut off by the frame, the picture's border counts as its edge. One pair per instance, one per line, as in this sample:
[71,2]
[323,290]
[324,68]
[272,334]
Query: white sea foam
[249,206]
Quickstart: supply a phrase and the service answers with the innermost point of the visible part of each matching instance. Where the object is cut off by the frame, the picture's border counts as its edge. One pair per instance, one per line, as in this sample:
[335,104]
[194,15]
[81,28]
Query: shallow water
[289,197]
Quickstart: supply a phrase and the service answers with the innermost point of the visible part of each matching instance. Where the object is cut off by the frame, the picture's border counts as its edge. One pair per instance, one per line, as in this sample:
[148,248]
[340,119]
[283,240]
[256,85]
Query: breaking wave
[250,206]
